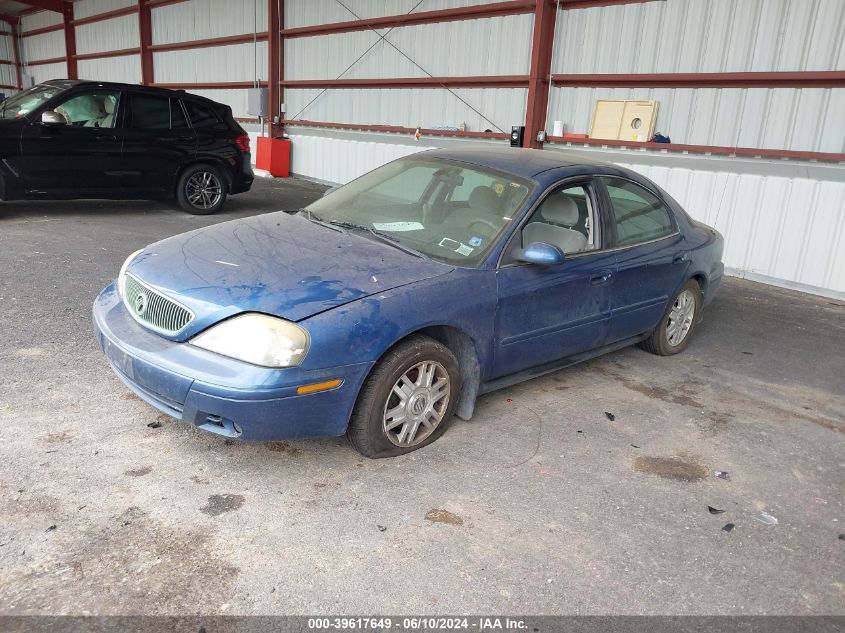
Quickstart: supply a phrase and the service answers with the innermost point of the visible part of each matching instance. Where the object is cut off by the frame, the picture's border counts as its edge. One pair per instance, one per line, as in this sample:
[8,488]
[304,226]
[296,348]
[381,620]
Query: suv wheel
[673,333]
[201,190]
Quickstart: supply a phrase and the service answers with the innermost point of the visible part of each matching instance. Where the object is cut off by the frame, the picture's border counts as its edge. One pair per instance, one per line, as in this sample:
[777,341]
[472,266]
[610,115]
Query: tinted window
[638,214]
[202,116]
[177,115]
[90,109]
[150,113]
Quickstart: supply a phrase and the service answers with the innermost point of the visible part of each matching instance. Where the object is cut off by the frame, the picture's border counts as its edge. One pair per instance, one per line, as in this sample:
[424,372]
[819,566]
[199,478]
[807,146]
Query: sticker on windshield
[475,241]
[464,250]
[397,226]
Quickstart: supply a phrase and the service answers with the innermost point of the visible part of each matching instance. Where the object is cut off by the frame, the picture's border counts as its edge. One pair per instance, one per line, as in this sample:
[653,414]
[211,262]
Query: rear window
[202,115]
[150,113]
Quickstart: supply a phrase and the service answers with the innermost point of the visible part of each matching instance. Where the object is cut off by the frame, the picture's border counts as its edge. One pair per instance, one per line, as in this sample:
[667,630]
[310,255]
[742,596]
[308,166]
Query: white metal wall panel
[785,118]
[123,69]
[46,72]
[87,8]
[465,48]
[7,51]
[428,108]
[44,46]
[108,35]
[311,12]
[238,62]
[341,160]
[40,20]
[702,36]
[202,19]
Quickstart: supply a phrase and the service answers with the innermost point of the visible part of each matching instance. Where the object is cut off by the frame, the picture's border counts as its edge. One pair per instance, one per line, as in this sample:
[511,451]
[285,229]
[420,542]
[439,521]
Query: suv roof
[67,84]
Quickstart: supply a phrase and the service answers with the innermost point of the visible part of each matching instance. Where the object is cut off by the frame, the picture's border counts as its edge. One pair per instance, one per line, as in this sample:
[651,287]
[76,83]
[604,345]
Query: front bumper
[219,394]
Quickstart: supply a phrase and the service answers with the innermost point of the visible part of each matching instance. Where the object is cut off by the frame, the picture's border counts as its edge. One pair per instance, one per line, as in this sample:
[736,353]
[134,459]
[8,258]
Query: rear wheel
[201,190]
[408,400]
[673,334]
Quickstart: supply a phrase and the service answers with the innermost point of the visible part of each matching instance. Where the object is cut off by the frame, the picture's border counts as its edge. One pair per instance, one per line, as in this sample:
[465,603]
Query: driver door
[548,313]
[81,158]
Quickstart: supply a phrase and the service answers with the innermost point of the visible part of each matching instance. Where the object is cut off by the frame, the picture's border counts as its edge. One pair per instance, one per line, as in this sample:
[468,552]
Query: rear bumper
[242,181]
[714,282]
[218,394]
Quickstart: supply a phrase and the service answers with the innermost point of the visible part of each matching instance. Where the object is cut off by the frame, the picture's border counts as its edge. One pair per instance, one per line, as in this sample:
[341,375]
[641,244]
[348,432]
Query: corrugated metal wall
[8,74]
[45,46]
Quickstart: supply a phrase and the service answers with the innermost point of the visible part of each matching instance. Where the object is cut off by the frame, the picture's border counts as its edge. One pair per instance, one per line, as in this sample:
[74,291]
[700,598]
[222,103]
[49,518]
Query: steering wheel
[493,227]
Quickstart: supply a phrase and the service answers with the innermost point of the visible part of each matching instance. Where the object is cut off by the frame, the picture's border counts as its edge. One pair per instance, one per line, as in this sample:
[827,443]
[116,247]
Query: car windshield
[27,101]
[446,210]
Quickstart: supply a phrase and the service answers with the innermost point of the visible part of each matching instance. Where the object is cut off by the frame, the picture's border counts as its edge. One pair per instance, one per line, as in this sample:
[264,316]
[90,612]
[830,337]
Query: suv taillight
[243,143]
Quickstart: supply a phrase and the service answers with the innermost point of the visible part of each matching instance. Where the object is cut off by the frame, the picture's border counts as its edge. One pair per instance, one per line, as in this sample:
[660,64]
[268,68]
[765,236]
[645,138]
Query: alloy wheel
[416,404]
[680,318]
[203,190]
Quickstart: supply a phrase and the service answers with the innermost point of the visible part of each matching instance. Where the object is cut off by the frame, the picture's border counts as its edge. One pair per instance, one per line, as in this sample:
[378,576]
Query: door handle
[680,259]
[603,276]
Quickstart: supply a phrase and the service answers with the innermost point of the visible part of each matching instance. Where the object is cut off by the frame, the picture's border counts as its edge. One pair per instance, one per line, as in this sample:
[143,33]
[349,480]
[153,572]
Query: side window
[90,109]
[150,112]
[566,219]
[177,115]
[202,116]
[638,214]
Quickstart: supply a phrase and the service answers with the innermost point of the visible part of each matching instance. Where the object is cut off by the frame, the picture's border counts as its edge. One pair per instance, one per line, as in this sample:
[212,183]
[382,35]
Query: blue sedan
[388,306]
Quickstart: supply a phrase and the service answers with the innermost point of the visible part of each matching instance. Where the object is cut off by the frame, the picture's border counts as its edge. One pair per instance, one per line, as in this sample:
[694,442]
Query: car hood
[276,264]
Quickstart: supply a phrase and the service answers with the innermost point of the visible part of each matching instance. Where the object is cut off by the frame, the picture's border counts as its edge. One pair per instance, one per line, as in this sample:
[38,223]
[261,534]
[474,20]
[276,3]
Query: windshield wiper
[313,218]
[382,237]
[392,241]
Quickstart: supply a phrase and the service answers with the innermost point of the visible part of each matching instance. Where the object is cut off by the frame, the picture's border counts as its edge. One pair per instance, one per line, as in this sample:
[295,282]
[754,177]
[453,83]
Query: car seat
[560,214]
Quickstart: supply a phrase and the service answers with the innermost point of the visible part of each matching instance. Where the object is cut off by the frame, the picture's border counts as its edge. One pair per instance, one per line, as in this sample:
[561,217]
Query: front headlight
[258,339]
[121,278]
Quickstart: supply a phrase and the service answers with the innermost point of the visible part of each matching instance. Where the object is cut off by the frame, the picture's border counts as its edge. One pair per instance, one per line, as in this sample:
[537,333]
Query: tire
[665,341]
[405,367]
[201,189]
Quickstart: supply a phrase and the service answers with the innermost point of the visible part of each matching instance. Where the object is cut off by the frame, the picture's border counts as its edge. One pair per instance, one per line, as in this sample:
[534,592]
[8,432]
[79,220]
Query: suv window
[90,109]
[151,113]
[638,214]
[201,115]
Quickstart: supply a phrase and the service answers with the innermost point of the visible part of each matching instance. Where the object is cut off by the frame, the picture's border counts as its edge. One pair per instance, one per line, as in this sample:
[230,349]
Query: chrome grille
[153,309]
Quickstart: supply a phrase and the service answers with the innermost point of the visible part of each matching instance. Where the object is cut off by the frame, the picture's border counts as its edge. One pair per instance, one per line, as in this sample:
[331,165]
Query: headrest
[108,104]
[560,209]
[483,198]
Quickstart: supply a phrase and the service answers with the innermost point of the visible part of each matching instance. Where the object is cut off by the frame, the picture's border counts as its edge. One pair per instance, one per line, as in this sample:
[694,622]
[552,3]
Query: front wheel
[201,190]
[673,334]
[408,400]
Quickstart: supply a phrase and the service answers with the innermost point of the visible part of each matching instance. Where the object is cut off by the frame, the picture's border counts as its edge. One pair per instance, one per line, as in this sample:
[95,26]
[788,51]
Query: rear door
[157,142]
[651,257]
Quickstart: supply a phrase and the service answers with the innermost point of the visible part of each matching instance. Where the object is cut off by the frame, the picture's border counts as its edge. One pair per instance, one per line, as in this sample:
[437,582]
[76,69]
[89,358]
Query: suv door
[547,313]
[651,256]
[80,158]
[157,142]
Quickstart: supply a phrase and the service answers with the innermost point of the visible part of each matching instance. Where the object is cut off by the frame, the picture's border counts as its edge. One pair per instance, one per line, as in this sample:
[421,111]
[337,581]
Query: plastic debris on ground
[727,527]
[154,425]
[713,510]
[766,519]
[721,474]
[610,416]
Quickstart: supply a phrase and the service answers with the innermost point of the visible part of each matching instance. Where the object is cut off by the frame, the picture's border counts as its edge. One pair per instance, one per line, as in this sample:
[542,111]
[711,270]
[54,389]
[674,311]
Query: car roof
[517,160]
[67,84]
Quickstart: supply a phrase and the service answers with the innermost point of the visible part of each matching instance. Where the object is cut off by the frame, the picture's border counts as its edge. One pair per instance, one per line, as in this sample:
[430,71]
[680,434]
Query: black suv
[67,139]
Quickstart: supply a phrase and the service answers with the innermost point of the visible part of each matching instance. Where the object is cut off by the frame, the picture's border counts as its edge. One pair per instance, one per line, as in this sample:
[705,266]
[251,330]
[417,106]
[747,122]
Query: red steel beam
[104,54]
[8,87]
[108,15]
[46,5]
[50,60]
[70,40]
[163,3]
[803,79]
[488,81]
[246,38]
[275,69]
[592,4]
[706,149]
[489,10]
[210,85]
[7,62]
[545,14]
[41,31]
[16,55]
[145,37]
[395,129]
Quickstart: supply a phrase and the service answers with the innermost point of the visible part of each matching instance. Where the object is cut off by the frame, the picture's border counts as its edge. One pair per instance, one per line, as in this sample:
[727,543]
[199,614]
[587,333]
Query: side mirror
[330,190]
[541,253]
[51,117]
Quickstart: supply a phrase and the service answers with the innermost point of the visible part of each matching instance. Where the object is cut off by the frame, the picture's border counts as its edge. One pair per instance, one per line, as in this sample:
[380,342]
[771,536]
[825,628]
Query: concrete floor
[555,508]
